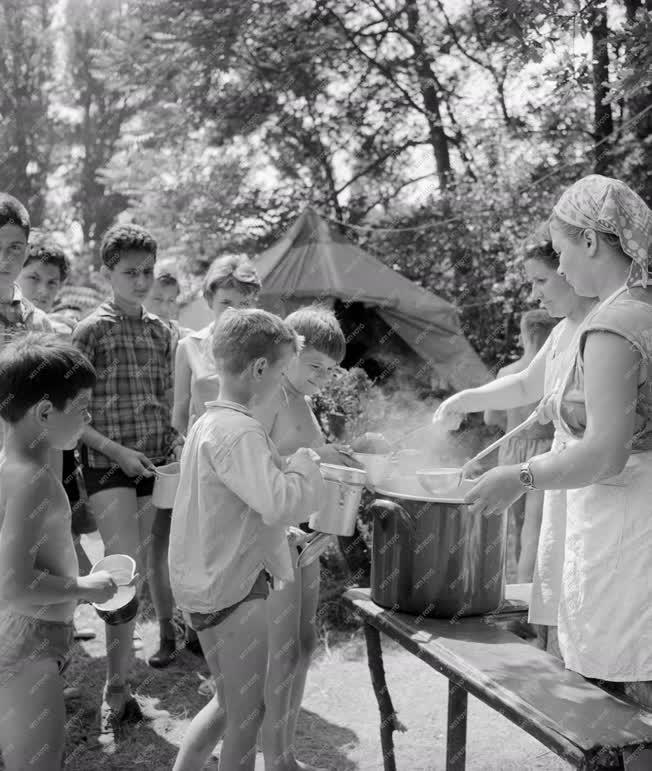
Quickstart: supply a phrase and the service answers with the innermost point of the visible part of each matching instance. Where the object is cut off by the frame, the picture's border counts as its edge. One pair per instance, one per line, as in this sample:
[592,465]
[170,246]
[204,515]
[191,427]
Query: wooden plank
[456,733]
[530,687]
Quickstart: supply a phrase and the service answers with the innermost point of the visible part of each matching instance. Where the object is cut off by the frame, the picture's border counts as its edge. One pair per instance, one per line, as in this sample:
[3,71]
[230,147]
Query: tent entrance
[372,345]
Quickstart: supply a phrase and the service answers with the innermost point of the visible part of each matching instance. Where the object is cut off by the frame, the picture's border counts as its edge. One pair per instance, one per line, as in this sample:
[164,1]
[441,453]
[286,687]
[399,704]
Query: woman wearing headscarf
[601,230]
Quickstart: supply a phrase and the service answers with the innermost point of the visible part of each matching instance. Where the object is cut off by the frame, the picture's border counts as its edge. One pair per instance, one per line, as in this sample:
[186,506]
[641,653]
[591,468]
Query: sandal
[114,716]
[207,686]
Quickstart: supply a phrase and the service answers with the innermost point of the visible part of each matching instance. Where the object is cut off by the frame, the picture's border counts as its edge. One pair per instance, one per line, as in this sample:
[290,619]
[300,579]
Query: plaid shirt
[132,357]
[19,316]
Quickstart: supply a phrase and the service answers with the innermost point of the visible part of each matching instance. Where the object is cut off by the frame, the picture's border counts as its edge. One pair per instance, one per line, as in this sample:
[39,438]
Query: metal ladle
[426,477]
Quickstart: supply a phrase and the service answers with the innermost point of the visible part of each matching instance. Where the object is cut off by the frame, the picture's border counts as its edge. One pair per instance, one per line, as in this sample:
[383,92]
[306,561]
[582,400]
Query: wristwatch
[526,477]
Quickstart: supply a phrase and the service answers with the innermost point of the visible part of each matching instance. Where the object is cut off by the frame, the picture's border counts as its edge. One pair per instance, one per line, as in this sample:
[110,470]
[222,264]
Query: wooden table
[574,718]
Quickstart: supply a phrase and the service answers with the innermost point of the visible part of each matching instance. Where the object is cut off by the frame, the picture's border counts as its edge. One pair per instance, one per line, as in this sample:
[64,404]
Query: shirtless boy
[45,390]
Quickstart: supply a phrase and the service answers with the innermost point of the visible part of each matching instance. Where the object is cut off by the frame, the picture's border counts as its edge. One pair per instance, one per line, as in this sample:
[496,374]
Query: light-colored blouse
[204,382]
[629,315]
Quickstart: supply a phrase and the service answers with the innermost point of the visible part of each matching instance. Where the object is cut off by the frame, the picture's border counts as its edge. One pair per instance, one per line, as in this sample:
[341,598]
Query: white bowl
[376,466]
[436,481]
[122,568]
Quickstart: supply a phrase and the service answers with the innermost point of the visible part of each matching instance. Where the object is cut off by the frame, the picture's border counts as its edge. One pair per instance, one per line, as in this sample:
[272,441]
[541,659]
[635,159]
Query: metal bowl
[376,466]
[440,480]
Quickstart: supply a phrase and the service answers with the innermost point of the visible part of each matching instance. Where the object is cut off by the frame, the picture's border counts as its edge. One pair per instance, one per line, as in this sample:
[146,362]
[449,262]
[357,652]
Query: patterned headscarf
[609,206]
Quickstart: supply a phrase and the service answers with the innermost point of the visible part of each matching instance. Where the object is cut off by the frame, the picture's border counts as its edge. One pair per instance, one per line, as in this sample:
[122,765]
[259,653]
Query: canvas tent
[315,261]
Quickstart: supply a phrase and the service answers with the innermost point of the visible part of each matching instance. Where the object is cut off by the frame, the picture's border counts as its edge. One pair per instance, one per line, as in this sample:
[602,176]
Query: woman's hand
[495,491]
[452,411]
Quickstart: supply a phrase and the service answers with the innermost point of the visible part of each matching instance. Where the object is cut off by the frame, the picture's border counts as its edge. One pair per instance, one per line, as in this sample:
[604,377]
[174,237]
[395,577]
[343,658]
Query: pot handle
[391,507]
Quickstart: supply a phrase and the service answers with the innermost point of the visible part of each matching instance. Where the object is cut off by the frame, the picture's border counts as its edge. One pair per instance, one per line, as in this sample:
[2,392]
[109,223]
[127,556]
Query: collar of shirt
[202,334]
[109,310]
[19,306]
[228,406]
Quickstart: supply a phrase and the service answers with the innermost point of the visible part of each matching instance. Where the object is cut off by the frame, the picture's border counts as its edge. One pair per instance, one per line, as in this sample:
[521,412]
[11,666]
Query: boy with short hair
[17,314]
[45,270]
[291,612]
[130,433]
[228,541]
[45,391]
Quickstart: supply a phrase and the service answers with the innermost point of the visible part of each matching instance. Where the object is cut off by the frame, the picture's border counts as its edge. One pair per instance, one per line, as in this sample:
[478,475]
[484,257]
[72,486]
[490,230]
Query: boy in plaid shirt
[130,432]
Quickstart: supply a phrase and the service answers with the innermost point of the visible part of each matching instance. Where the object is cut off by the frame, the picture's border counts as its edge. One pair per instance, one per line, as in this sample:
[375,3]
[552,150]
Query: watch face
[525,477]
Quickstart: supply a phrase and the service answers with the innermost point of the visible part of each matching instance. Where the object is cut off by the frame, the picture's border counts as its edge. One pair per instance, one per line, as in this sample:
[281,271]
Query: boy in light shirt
[227,543]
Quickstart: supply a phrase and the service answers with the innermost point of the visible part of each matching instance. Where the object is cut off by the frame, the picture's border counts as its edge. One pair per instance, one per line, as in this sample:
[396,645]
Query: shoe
[114,715]
[165,655]
[207,686]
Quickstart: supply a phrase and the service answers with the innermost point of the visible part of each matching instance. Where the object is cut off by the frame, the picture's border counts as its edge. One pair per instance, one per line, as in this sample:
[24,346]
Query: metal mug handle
[386,507]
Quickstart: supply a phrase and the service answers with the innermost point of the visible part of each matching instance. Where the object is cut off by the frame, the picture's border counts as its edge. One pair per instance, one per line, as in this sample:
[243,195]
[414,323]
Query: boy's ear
[42,410]
[105,271]
[259,366]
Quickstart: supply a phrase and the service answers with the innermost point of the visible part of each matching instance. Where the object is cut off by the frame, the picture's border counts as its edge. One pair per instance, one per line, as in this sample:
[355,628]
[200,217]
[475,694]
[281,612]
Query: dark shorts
[26,639]
[98,479]
[82,521]
[201,621]
[162,523]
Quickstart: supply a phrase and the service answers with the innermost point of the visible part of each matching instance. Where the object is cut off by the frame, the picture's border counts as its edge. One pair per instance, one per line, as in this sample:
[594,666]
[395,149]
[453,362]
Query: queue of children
[107,384]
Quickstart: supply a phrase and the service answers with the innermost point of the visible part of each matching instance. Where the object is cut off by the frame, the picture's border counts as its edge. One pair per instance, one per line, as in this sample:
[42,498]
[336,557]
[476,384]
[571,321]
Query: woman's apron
[605,608]
[546,581]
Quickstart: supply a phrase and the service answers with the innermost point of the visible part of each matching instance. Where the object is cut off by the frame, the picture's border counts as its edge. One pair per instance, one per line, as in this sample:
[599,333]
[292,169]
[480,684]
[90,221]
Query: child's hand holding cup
[304,457]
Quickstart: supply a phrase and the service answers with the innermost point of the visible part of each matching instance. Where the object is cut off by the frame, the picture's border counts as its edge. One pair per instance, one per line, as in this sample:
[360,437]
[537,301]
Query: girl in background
[526,512]
[558,298]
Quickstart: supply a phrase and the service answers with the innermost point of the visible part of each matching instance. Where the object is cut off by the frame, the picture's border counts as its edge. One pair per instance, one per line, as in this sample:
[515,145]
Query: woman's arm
[182,382]
[516,390]
[503,393]
[611,369]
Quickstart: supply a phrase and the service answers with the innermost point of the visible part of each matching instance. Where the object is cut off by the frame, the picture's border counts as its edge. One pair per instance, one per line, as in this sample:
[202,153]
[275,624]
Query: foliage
[28,132]
[214,124]
[351,394]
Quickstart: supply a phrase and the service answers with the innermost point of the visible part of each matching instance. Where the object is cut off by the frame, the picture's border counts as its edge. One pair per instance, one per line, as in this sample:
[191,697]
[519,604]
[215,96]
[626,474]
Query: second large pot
[434,558]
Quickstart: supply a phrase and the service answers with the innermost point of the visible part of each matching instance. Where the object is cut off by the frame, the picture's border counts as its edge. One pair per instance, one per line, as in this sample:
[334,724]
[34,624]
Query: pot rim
[424,498]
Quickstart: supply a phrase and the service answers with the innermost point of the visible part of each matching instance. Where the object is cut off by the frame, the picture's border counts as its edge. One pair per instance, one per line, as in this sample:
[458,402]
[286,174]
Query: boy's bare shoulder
[28,481]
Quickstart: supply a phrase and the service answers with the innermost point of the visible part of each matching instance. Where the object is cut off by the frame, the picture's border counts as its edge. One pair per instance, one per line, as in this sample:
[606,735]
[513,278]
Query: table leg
[456,736]
[388,720]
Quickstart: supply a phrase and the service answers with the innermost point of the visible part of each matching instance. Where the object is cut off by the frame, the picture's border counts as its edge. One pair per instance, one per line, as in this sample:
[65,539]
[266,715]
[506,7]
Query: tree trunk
[637,102]
[427,83]
[603,119]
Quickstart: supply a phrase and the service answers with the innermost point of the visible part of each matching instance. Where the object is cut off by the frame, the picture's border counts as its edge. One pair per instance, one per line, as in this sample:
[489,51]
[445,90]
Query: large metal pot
[432,557]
